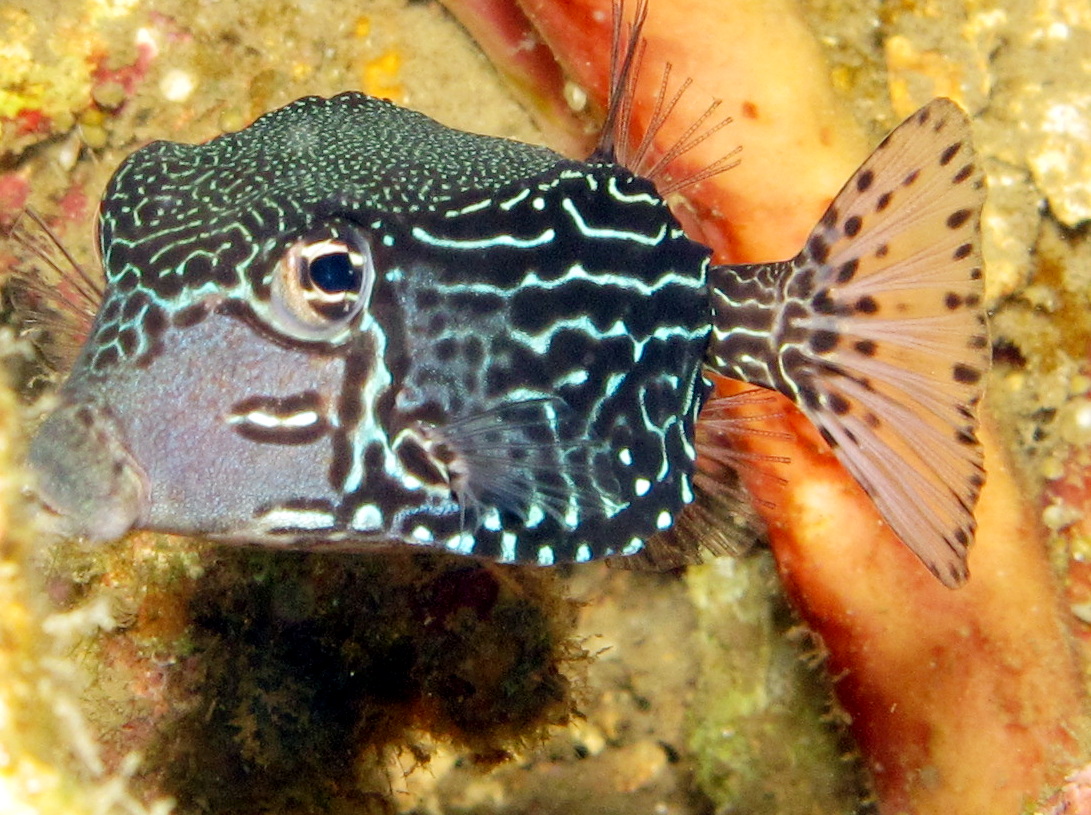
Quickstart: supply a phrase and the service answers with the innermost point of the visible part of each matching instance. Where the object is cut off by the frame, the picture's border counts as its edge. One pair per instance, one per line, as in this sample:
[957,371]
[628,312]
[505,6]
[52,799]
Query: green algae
[761,723]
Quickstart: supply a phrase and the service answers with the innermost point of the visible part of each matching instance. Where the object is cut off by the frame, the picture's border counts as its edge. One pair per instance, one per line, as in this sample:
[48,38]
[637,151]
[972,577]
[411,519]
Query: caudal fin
[877,330]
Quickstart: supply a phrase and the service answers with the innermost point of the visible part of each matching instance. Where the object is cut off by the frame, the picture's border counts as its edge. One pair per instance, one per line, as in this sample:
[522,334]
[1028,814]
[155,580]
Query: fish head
[348,326]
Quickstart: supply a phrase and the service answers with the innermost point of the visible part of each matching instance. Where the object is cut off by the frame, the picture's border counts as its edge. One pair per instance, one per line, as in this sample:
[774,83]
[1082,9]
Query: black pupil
[334,273]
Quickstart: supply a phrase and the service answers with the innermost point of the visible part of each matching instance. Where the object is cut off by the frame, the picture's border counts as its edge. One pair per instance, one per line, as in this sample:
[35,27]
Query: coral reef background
[159,673]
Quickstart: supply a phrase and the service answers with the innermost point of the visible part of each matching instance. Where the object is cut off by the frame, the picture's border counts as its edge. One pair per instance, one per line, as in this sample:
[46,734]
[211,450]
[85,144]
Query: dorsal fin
[627,48]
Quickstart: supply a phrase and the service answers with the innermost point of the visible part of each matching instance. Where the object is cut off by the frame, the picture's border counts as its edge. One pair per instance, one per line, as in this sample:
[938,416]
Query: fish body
[348,326]
[503,358]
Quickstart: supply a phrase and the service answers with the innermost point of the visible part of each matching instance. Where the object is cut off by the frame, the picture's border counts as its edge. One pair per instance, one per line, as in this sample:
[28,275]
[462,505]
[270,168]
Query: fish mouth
[84,478]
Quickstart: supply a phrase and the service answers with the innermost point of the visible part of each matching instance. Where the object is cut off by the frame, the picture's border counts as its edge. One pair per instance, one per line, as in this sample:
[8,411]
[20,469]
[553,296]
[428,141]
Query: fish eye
[321,282]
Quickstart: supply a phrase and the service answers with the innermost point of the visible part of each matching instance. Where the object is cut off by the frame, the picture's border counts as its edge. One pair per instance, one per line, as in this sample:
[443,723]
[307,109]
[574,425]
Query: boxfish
[350,327]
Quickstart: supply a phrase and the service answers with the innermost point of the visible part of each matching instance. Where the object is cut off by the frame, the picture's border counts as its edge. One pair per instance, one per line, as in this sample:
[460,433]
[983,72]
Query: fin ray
[520,456]
[722,519]
[877,330]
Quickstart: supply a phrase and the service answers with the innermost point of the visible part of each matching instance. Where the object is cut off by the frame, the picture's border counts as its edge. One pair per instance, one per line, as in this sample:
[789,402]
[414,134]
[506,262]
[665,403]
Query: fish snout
[84,477]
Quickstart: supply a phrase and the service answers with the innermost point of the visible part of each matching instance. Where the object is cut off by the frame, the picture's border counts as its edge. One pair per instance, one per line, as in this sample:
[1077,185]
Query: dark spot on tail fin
[917,310]
[896,270]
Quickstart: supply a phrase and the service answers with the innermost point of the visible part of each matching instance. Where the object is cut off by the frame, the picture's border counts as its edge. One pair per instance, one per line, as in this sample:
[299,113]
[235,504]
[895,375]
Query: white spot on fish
[686,489]
[572,517]
[535,515]
[461,544]
[507,547]
[367,517]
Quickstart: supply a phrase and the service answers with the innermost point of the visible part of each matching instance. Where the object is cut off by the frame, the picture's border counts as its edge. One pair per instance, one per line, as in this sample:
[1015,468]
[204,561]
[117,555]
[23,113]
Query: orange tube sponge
[961,701]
